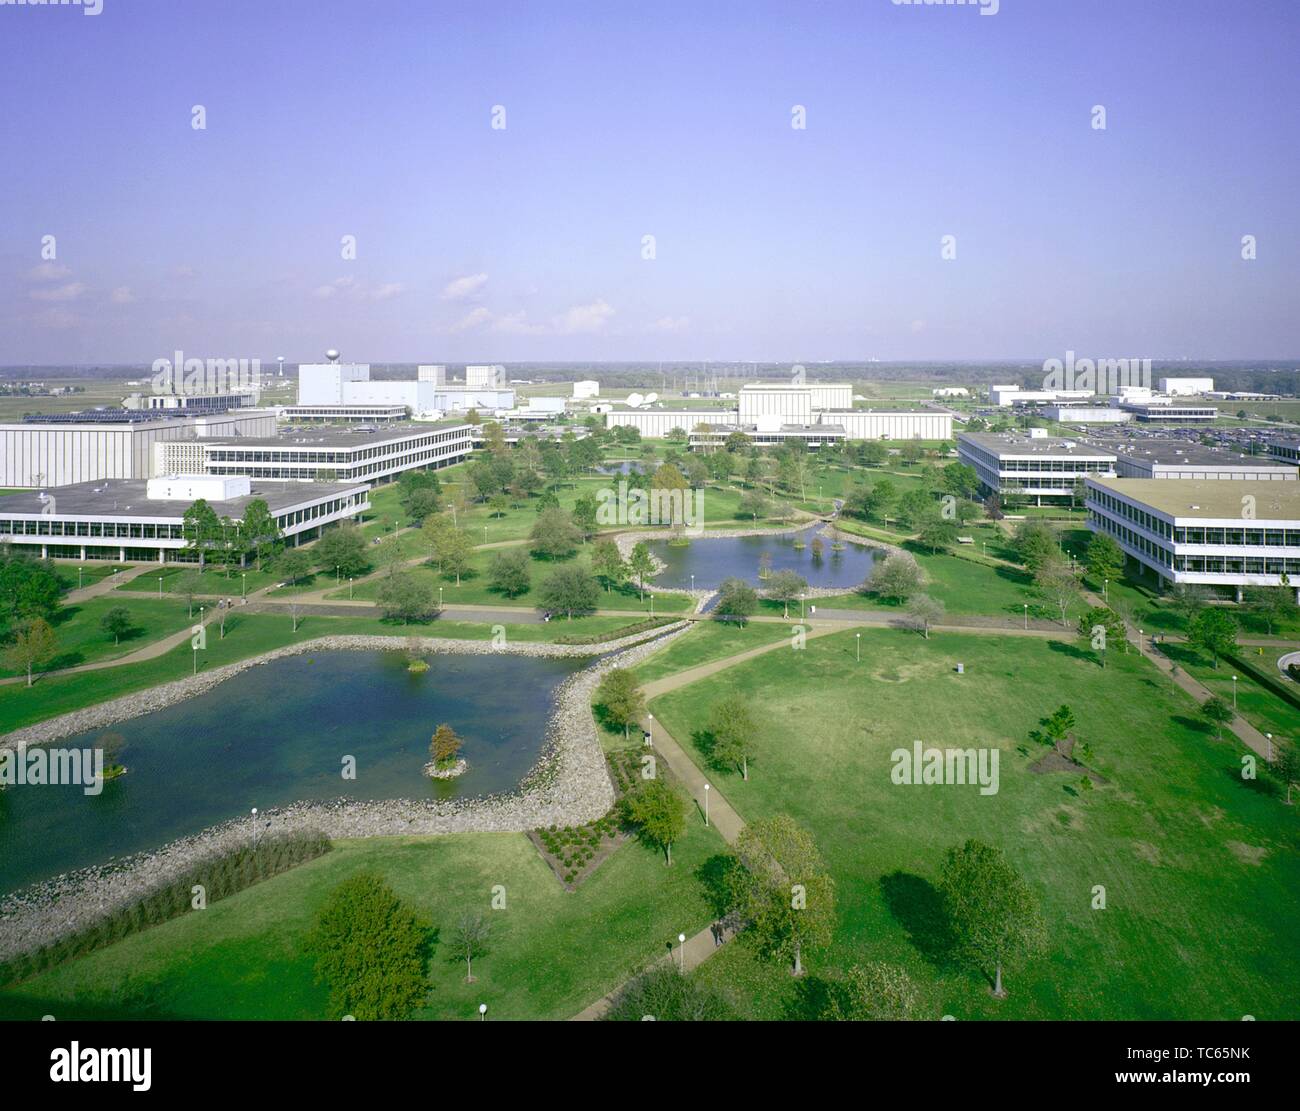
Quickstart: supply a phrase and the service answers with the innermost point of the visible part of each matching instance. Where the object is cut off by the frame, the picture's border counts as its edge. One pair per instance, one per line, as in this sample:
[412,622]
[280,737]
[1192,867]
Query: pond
[713,559]
[276,734]
[627,466]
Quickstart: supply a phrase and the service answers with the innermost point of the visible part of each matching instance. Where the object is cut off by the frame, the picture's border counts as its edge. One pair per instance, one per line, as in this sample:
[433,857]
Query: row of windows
[1128,511]
[1236,565]
[1233,536]
[1132,539]
[407,450]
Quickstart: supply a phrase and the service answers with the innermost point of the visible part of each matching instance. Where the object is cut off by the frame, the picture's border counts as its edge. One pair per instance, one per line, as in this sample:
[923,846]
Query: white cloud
[472,319]
[69,291]
[48,272]
[583,319]
[458,289]
[58,320]
[386,291]
[578,320]
[122,295]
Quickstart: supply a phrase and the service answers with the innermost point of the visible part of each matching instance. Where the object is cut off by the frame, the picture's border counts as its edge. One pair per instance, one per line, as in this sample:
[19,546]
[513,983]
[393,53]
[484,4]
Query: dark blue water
[715,559]
[625,467]
[276,734]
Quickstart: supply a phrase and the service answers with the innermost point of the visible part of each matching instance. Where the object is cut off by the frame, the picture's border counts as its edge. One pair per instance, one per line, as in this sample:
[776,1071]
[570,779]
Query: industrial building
[1019,395]
[1163,410]
[768,432]
[1035,465]
[1224,533]
[334,456]
[62,450]
[134,520]
[343,414]
[334,383]
[1074,413]
[1182,387]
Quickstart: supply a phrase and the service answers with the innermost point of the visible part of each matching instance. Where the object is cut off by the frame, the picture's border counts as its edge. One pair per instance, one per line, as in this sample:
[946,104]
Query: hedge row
[616,634]
[1273,684]
[220,876]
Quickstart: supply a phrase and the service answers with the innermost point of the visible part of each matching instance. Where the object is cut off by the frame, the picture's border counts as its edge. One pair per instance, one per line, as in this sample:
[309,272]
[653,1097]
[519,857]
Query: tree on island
[991,909]
[445,746]
[1218,713]
[372,951]
[783,889]
[658,812]
[732,726]
[737,601]
[470,940]
[32,645]
[116,623]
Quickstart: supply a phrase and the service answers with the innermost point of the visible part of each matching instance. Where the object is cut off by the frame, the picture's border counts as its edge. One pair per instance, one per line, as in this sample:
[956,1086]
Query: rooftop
[1217,499]
[1186,452]
[337,437]
[1015,443]
[128,497]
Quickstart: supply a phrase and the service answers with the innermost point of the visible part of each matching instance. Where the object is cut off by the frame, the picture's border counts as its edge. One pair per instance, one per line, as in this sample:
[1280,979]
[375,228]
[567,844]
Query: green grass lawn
[708,641]
[551,952]
[1264,710]
[214,580]
[80,639]
[1200,868]
[475,588]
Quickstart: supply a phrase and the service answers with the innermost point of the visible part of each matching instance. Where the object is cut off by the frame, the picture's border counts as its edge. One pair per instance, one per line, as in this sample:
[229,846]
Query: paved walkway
[107,584]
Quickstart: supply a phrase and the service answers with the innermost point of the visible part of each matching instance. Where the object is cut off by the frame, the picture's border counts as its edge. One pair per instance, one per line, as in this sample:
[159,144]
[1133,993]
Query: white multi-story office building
[130,520]
[1164,410]
[51,451]
[341,456]
[1223,533]
[1034,466]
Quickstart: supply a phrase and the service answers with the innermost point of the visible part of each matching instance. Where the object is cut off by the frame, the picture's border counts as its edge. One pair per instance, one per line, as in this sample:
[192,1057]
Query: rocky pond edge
[569,785]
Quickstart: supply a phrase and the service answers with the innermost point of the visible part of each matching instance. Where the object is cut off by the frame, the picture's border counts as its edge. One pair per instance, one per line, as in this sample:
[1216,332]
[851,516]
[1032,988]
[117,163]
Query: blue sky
[329,118]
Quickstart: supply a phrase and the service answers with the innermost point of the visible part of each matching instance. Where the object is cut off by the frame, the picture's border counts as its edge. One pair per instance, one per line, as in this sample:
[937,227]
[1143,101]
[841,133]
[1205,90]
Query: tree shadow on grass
[811,999]
[1071,650]
[917,906]
[715,876]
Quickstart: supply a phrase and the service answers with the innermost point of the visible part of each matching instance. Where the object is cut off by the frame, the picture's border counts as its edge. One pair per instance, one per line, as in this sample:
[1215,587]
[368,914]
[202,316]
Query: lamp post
[857,639]
[160,586]
[79,570]
[1026,605]
[1234,692]
[439,599]
[1269,738]
[692,584]
[681,951]
[650,733]
[482,1012]
[652,605]
[349,588]
[337,577]
[255,827]
[801,605]
[706,804]
[243,585]
[1105,590]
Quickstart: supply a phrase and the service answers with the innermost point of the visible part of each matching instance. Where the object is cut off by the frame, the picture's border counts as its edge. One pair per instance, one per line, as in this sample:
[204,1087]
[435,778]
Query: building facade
[1223,533]
[124,520]
[1033,466]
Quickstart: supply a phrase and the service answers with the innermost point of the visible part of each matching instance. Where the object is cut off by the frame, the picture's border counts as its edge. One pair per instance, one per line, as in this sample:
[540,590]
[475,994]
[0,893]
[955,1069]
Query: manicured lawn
[475,588]
[80,639]
[1200,868]
[708,641]
[214,580]
[1259,706]
[551,952]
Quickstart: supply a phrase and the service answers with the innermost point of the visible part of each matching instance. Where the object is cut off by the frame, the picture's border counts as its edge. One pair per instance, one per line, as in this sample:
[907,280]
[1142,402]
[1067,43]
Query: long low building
[1222,533]
[1033,466]
[767,433]
[130,520]
[344,414]
[857,424]
[1182,459]
[333,456]
[61,450]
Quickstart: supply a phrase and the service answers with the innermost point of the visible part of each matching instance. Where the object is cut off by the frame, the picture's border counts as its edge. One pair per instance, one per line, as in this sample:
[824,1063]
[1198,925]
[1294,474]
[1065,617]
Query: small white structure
[191,487]
[1182,387]
[586,388]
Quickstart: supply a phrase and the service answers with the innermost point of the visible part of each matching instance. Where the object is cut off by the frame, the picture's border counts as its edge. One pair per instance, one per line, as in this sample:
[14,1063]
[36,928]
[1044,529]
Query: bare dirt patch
[1247,854]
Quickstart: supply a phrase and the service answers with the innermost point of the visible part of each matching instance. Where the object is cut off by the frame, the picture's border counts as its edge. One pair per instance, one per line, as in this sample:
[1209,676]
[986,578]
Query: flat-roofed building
[1285,450]
[1163,410]
[142,520]
[344,414]
[767,433]
[1032,466]
[793,403]
[1182,459]
[334,456]
[655,424]
[1085,414]
[1223,533]
[51,450]
[1175,387]
[880,424]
